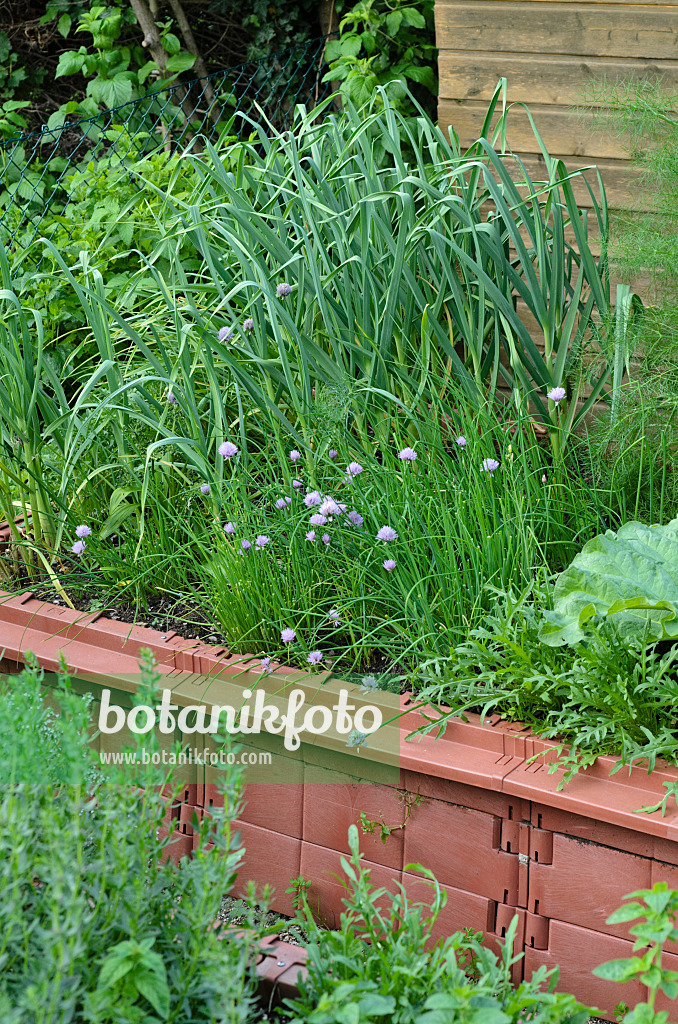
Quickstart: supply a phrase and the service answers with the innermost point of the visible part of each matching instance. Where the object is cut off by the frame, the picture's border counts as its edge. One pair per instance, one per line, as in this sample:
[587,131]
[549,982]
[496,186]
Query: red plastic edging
[494,755]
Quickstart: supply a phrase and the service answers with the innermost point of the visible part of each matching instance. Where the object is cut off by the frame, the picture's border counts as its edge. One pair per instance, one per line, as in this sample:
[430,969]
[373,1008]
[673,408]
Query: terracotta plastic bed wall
[493,826]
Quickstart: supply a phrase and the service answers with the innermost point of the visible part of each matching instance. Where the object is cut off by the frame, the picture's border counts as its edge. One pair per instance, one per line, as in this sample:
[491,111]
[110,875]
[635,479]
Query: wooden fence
[549,52]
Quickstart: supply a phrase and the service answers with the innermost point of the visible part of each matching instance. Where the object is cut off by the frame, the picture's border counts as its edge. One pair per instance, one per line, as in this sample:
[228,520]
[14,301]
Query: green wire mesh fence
[36,168]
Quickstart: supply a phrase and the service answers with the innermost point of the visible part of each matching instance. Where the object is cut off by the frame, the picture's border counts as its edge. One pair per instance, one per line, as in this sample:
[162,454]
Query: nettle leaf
[64,24]
[350,46]
[70,62]
[629,912]
[413,17]
[180,62]
[393,21]
[153,986]
[332,51]
[112,91]
[629,578]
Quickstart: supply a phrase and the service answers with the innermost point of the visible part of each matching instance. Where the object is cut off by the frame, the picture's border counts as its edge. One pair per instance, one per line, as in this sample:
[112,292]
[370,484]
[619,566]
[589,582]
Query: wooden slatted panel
[550,52]
[541,78]
[560,130]
[528,26]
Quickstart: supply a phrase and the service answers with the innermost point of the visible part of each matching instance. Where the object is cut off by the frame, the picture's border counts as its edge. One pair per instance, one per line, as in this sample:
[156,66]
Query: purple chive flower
[248,324]
[353,469]
[262,540]
[283,290]
[245,545]
[312,498]
[461,441]
[334,615]
[287,636]
[407,455]
[489,466]
[266,664]
[387,533]
[318,520]
[229,528]
[389,564]
[356,739]
[297,484]
[227,449]
[205,489]
[171,398]
[333,453]
[315,657]
[82,531]
[295,455]
[325,538]
[329,507]
[225,334]
[79,547]
[556,395]
[355,518]
[310,535]
[283,502]
[369,684]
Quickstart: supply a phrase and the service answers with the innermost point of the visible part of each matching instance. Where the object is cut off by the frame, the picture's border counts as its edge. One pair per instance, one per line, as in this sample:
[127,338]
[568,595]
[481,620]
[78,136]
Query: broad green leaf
[393,22]
[629,577]
[413,17]
[180,62]
[153,987]
[69,63]
[626,913]
[619,970]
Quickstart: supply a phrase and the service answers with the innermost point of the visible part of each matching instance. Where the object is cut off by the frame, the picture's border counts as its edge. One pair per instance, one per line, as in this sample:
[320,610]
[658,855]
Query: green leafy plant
[370,827]
[380,964]
[612,694]
[298,890]
[657,908]
[384,44]
[131,971]
[436,284]
[627,577]
[99,924]
[117,73]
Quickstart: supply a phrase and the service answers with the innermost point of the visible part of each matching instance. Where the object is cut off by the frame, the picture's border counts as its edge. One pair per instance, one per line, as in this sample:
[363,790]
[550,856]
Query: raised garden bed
[493,826]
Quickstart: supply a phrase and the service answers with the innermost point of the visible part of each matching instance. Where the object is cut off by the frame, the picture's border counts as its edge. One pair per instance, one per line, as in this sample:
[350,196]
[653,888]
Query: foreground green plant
[99,925]
[657,908]
[379,964]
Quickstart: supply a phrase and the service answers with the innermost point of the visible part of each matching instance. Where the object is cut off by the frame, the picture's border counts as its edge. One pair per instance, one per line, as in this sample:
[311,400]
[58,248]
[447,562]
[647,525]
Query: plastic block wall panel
[462,847]
[179,846]
[322,867]
[329,809]
[576,951]
[270,859]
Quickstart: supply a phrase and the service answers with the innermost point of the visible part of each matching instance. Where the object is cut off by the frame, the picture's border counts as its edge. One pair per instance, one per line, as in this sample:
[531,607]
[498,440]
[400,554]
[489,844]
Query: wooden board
[529,26]
[561,128]
[618,3]
[619,177]
[540,78]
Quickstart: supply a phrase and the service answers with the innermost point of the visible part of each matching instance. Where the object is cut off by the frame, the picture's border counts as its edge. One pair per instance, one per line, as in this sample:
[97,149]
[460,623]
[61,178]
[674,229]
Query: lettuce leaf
[629,577]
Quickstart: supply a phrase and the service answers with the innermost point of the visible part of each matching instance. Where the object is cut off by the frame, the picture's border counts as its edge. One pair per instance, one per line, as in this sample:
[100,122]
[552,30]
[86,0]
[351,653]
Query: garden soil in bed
[188,618]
